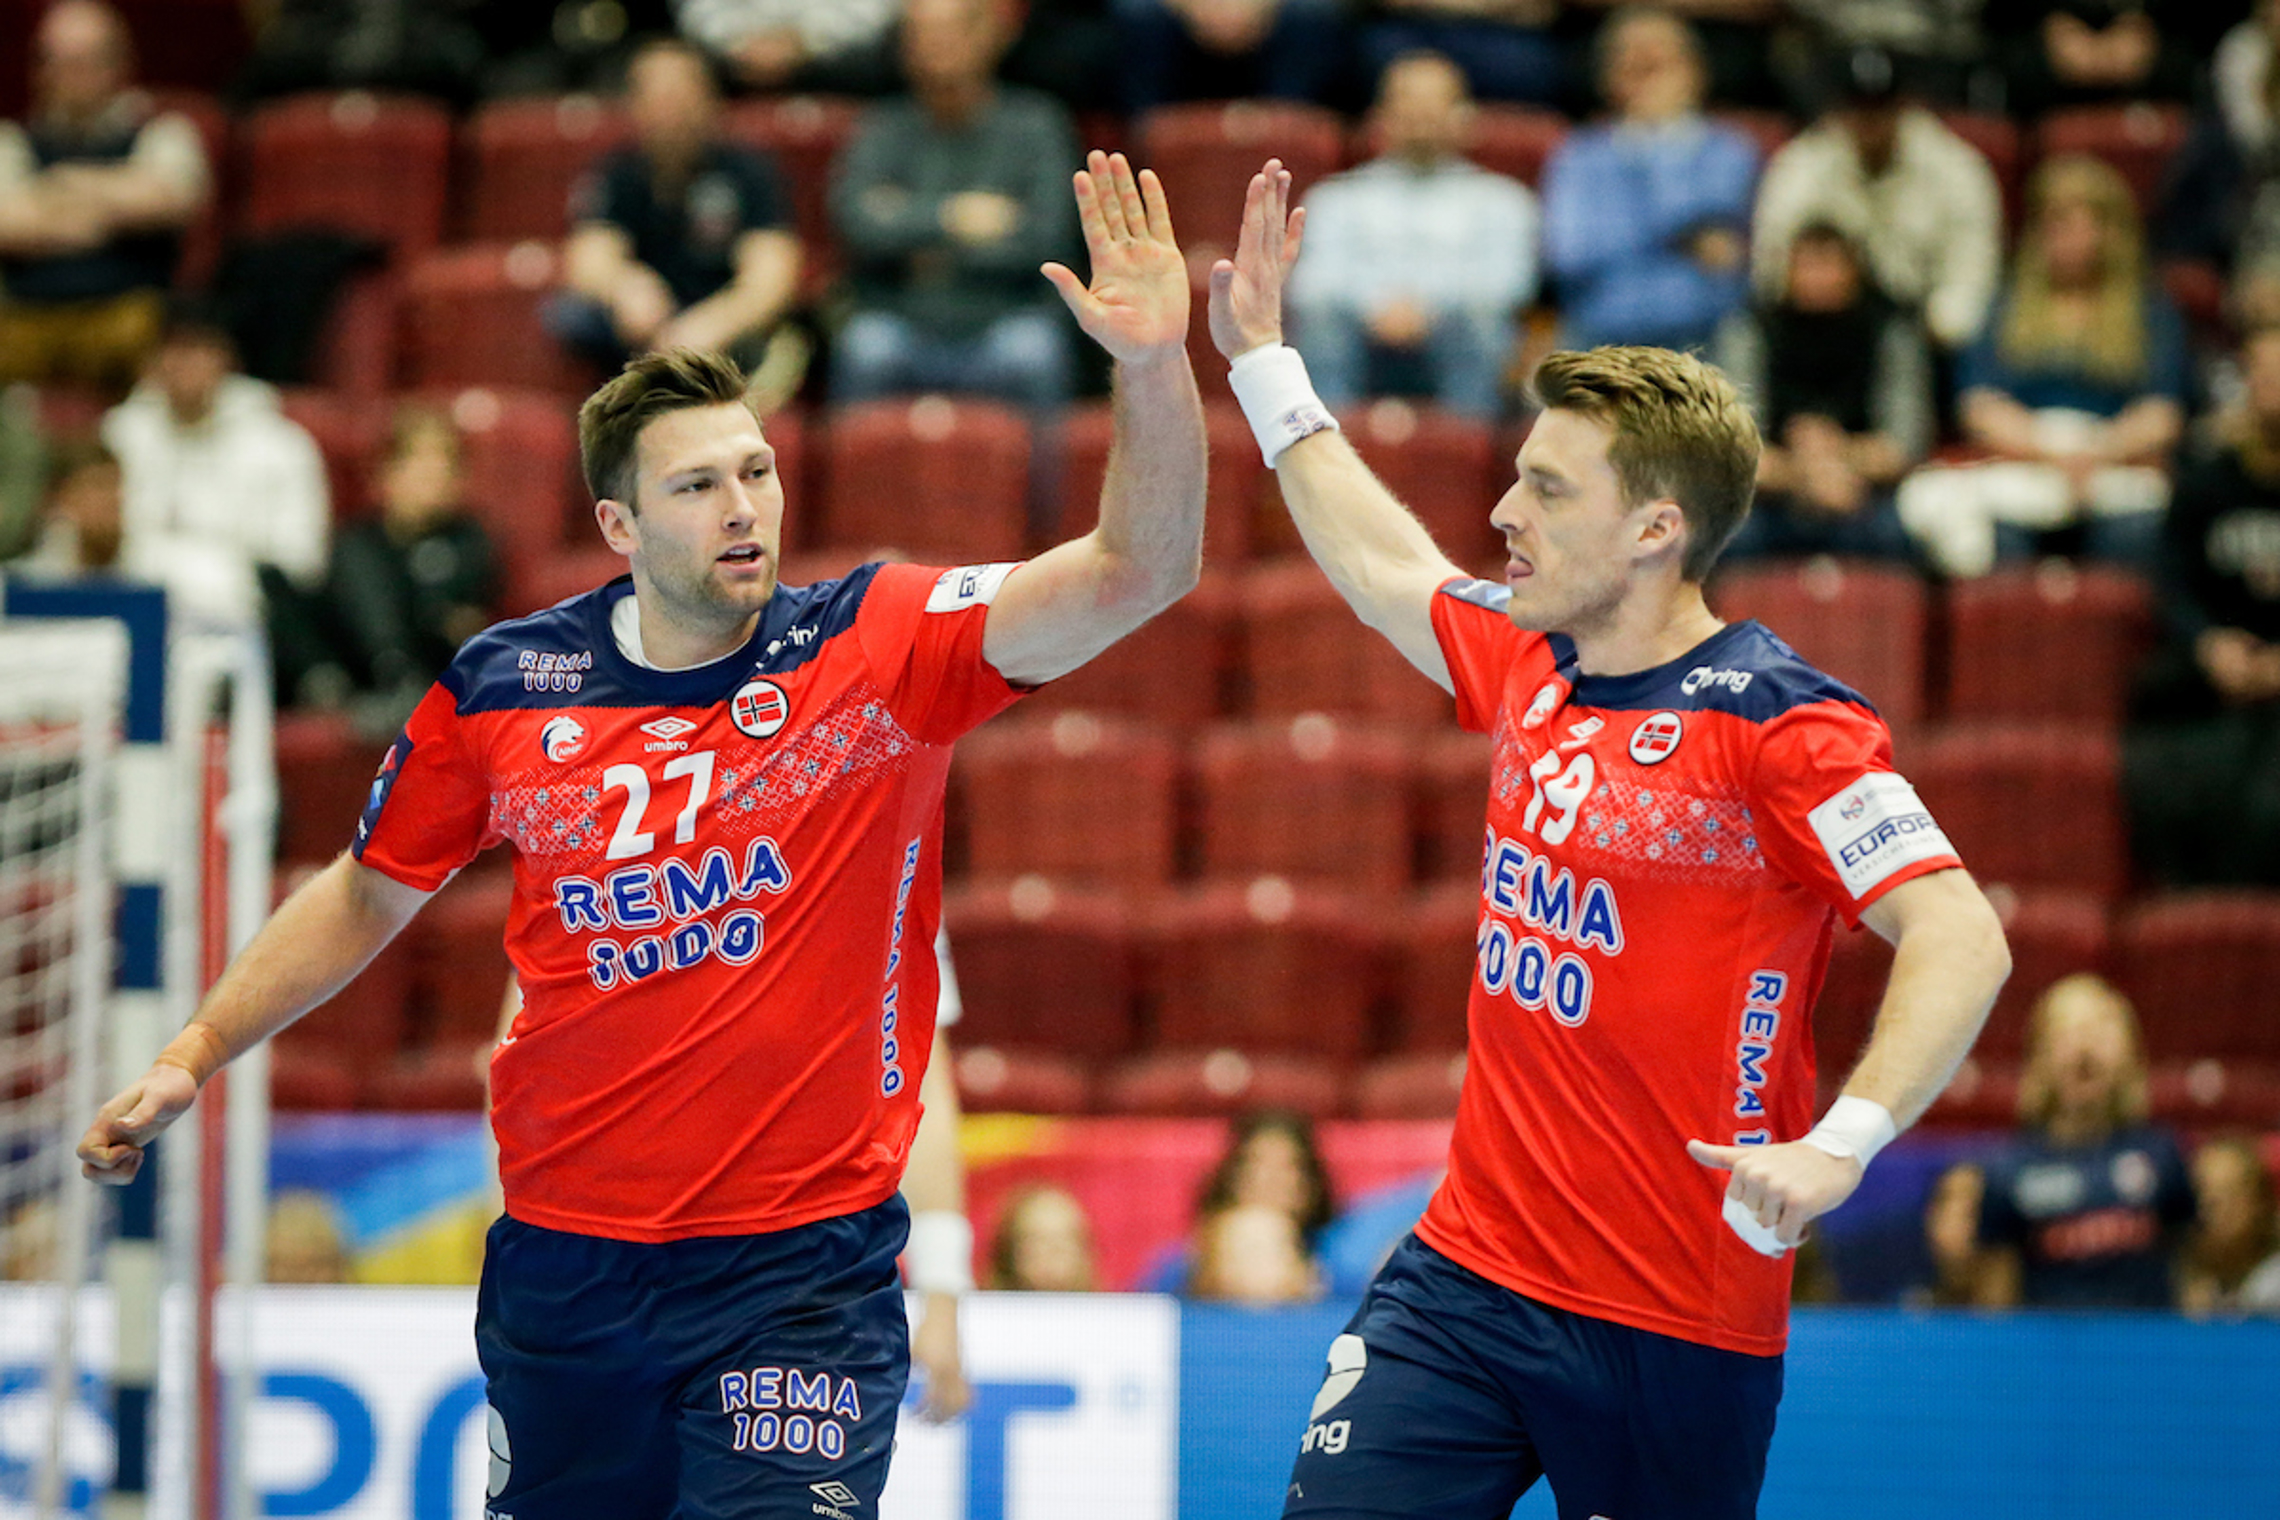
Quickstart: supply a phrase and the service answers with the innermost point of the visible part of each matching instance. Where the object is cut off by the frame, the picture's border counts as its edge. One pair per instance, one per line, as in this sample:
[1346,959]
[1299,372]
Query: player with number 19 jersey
[727,884]
[1668,854]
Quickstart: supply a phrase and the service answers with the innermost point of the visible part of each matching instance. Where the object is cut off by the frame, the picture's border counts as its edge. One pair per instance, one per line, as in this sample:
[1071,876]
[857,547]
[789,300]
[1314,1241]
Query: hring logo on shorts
[838,1500]
[759,709]
[562,739]
[546,670]
[666,733]
[1704,678]
[1541,705]
[1656,738]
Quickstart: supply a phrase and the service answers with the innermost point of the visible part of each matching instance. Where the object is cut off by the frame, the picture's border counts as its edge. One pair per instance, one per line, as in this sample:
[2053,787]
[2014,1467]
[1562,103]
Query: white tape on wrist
[940,1256]
[1277,399]
[1855,1127]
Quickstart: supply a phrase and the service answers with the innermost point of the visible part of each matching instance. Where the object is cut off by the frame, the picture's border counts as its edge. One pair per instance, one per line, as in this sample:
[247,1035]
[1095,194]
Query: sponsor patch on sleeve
[1494,595]
[969,586]
[1874,828]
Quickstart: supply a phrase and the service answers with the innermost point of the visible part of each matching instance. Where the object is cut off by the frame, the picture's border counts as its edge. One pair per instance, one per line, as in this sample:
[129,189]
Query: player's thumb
[1718,1157]
[1066,284]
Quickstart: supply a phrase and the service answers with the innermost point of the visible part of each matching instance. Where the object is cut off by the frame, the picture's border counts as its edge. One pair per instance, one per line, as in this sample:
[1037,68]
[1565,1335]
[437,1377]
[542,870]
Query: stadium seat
[994,1079]
[2211,1093]
[1997,139]
[520,158]
[1506,139]
[943,481]
[1303,650]
[323,1059]
[1442,467]
[2052,934]
[2028,805]
[1860,962]
[1206,152]
[1266,967]
[1169,671]
[350,434]
[1861,622]
[1982,1095]
[432,1078]
[563,574]
[2203,968]
[351,162]
[1310,799]
[1769,130]
[1433,975]
[324,776]
[1452,805]
[1044,967]
[2054,641]
[1237,487]
[2138,139]
[804,133]
[519,468]
[1420,1086]
[202,241]
[1074,796]
[1223,1081]
[355,352]
[462,958]
[474,316]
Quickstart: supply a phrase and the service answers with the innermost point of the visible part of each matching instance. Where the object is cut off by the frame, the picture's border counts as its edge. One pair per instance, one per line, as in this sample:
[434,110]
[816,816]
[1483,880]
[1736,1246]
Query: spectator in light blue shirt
[1644,215]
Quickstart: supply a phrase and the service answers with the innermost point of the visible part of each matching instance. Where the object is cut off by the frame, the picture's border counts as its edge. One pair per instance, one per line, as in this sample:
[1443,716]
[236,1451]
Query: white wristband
[940,1256]
[1277,399]
[1855,1127]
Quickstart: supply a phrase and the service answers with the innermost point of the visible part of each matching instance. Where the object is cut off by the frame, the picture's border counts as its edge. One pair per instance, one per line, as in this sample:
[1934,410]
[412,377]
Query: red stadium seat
[462,959]
[1170,671]
[1311,799]
[1238,483]
[202,241]
[1444,468]
[323,1059]
[1434,975]
[1861,622]
[356,350]
[2052,934]
[1452,805]
[1982,1095]
[1860,962]
[1206,152]
[1421,1086]
[2203,969]
[1769,130]
[1044,967]
[2054,641]
[1506,139]
[520,159]
[995,1080]
[2138,139]
[943,481]
[1223,1082]
[1074,796]
[1997,139]
[473,316]
[561,575]
[432,1078]
[1304,650]
[2209,1093]
[324,777]
[1265,967]
[353,162]
[350,433]
[519,468]
[2028,805]
[804,133]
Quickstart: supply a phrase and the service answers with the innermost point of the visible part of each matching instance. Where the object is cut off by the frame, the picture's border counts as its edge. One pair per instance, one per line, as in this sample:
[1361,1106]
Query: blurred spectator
[1272,1161]
[948,202]
[1507,48]
[84,515]
[1951,1231]
[2094,52]
[95,190]
[1253,1254]
[413,47]
[1938,44]
[29,1242]
[1737,39]
[1043,1243]
[2221,202]
[2086,1207]
[2232,1264]
[1070,49]
[1418,262]
[840,47]
[225,495]
[2201,761]
[1228,49]
[1842,386]
[679,239]
[1920,200]
[23,469]
[303,1243]
[2078,386]
[409,586]
[1644,216]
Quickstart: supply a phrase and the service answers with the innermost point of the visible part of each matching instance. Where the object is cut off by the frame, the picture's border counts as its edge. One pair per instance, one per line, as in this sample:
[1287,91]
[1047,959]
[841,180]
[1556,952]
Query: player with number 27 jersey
[727,886]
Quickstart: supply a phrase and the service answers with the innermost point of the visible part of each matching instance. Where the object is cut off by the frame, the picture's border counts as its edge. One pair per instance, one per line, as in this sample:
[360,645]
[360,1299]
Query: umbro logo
[838,1499]
[668,728]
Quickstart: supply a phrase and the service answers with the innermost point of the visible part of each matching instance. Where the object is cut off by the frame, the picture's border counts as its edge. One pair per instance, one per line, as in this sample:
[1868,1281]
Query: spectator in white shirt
[1418,262]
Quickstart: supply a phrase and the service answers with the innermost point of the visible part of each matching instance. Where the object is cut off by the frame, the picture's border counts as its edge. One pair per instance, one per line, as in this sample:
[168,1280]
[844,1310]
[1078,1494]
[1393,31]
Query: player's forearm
[311,947]
[1947,967]
[1373,549]
[1150,532]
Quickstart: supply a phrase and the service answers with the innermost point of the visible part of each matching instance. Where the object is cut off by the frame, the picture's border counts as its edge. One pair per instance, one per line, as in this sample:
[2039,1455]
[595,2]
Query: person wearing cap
[1884,171]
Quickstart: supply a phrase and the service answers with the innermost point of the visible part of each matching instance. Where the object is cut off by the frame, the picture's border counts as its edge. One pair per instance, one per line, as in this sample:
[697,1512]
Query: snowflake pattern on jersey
[759,787]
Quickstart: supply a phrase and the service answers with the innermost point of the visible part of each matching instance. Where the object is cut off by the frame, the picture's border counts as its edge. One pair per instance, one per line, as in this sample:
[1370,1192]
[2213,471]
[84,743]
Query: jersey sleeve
[1479,642]
[429,812]
[1833,815]
[921,628]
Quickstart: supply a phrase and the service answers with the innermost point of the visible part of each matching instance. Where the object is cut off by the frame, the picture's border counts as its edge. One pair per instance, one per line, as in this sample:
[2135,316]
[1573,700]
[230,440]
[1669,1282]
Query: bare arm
[310,948]
[1374,550]
[935,1181]
[767,274]
[1073,601]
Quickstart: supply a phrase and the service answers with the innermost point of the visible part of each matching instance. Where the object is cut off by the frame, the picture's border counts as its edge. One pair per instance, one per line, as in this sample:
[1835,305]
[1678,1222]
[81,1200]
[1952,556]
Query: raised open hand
[1246,291]
[1137,305]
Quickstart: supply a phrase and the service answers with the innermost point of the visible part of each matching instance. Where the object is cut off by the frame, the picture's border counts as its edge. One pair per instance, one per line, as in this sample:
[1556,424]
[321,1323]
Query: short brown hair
[610,423]
[1681,431]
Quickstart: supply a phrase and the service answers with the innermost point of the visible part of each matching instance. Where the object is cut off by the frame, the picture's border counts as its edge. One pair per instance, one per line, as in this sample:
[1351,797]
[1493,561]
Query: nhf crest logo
[759,709]
[1853,806]
[562,738]
[1655,739]
[1541,705]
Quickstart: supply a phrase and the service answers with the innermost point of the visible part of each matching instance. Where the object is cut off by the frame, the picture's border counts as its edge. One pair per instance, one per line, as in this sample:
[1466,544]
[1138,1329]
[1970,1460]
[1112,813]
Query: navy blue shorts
[749,1375]
[1449,1396]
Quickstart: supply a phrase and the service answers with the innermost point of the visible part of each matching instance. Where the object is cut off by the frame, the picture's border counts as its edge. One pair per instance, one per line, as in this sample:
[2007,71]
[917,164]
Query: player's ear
[618,524]
[1662,528]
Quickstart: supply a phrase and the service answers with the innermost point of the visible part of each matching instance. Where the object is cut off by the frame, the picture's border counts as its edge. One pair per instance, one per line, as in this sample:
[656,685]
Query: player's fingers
[1089,216]
[1128,195]
[1111,203]
[1159,207]
[1253,230]
[1718,1157]
[1293,235]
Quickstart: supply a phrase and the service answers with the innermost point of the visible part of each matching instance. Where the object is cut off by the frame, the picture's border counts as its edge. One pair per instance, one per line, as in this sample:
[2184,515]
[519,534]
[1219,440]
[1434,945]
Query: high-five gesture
[1137,305]
[1246,291]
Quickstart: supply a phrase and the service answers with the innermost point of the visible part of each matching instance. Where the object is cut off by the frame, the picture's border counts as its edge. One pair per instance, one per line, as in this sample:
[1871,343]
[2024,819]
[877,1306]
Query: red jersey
[1668,854]
[727,883]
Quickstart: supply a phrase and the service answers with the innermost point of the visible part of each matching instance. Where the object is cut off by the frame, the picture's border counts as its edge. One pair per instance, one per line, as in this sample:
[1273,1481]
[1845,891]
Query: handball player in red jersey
[723,798]
[1680,813]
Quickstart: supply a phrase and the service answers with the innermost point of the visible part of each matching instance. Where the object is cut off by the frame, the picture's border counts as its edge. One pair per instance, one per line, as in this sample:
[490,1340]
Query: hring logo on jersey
[791,1409]
[1523,886]
[1541,705]
[1656,738]
[759,709]
[673,892]
[666,733]
[1581,733]
[562,739]
[547,670]
[1875,828]
[1704,678]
